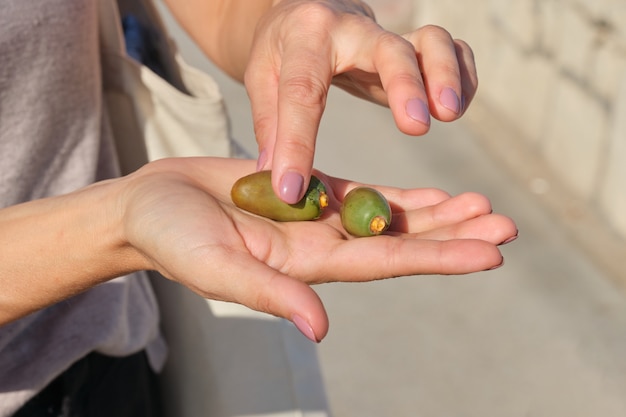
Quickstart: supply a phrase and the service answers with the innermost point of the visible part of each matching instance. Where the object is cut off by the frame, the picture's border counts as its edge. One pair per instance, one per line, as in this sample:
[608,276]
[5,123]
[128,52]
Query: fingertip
[307,329]
[417,110]
[304,327]
[411,116]
[497,265]
[497,259]
[469,255]
[449,99]
[309,316]
[292,300]
[476,204]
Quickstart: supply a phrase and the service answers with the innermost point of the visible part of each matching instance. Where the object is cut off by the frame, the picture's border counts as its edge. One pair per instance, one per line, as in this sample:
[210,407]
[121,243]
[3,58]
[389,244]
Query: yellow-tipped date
[365,212]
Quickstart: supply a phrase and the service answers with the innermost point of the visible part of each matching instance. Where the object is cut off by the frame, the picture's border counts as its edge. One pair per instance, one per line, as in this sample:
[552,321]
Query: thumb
[265,289]
[299,303]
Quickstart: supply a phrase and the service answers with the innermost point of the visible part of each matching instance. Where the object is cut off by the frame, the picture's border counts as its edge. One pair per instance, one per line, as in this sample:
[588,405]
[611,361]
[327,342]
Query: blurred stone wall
[554,73]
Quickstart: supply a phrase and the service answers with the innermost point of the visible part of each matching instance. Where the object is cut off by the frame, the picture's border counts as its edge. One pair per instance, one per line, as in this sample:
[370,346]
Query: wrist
[57,247]
[115,197]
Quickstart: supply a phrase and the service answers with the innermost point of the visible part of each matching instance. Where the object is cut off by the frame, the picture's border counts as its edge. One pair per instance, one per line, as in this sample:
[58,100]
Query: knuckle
[435,32]
[263,304]
[305,90]
[436,194]
[314,12]
[264,300]
[298,146]
[448,70]
[249,74]
[264,125]
[388,40]
[479,203]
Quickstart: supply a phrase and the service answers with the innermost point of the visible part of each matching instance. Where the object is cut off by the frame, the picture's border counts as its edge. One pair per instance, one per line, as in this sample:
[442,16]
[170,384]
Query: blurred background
[545,140]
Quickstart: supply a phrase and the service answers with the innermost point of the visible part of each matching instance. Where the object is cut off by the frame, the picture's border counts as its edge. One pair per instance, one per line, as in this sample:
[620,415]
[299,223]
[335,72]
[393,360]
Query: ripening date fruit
[254,193]
[365,212]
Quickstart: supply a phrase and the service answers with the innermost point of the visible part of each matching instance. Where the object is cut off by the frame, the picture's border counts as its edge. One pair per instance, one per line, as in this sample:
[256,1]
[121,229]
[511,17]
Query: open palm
[181,217]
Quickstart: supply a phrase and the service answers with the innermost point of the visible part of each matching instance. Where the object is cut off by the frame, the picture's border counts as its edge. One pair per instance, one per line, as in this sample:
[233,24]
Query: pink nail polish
[509,240]
[417,110]
[450,100]
[291,187]
[304,328]
[496,267]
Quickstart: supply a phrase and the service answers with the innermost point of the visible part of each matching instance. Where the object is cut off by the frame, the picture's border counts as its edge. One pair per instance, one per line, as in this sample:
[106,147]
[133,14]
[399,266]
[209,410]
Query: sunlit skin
[289,52]
[176,216]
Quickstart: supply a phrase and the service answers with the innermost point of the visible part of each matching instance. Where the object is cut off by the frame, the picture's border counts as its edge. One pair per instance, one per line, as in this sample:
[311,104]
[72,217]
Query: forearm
[224,29]
[57,247]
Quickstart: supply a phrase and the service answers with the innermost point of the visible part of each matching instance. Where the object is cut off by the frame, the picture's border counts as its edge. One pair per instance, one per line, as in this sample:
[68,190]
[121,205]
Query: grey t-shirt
[53,141]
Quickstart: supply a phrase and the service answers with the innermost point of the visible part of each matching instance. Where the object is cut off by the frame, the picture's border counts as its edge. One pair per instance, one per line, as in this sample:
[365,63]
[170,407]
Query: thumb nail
[304,327]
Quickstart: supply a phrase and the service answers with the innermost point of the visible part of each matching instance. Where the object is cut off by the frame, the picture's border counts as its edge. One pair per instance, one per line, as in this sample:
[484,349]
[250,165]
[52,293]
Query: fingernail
[290,187]
[416,109]
[450,100]
[496,266]
[304,328]
[462,103]
[509,240]
[260,163]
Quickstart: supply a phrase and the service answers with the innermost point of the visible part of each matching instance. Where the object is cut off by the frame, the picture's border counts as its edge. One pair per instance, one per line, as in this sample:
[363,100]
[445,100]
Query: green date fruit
[254,193]
[365,212]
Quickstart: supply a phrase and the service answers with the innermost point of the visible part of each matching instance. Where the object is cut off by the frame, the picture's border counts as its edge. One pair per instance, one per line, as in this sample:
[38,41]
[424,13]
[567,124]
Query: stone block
[555,70]
[606,69]
[574,50]
[549,31]
[575,137]
[613,196]
[462,19]
[517,20]
[394,15]
[611,12]
[521,87]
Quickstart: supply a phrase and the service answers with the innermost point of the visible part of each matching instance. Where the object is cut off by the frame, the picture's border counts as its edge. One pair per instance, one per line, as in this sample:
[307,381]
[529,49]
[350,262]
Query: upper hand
[224,253]
[301,47]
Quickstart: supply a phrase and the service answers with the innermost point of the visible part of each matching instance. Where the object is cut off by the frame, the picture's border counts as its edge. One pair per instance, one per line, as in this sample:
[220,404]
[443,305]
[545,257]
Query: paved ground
[545,335]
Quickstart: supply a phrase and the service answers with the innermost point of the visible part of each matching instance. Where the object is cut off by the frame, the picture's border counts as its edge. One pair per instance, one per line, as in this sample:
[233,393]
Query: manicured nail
[450,100]
[416,109]
[509,240]
[496,266]
[260,163]
[304,328]
[291,187]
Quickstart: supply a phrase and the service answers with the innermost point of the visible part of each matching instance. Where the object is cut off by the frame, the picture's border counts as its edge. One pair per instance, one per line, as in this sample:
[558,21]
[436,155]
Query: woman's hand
[301,47]
[176,216]
[179,215]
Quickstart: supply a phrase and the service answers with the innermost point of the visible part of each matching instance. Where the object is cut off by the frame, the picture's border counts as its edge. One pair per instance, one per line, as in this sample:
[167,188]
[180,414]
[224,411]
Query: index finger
[305,77]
